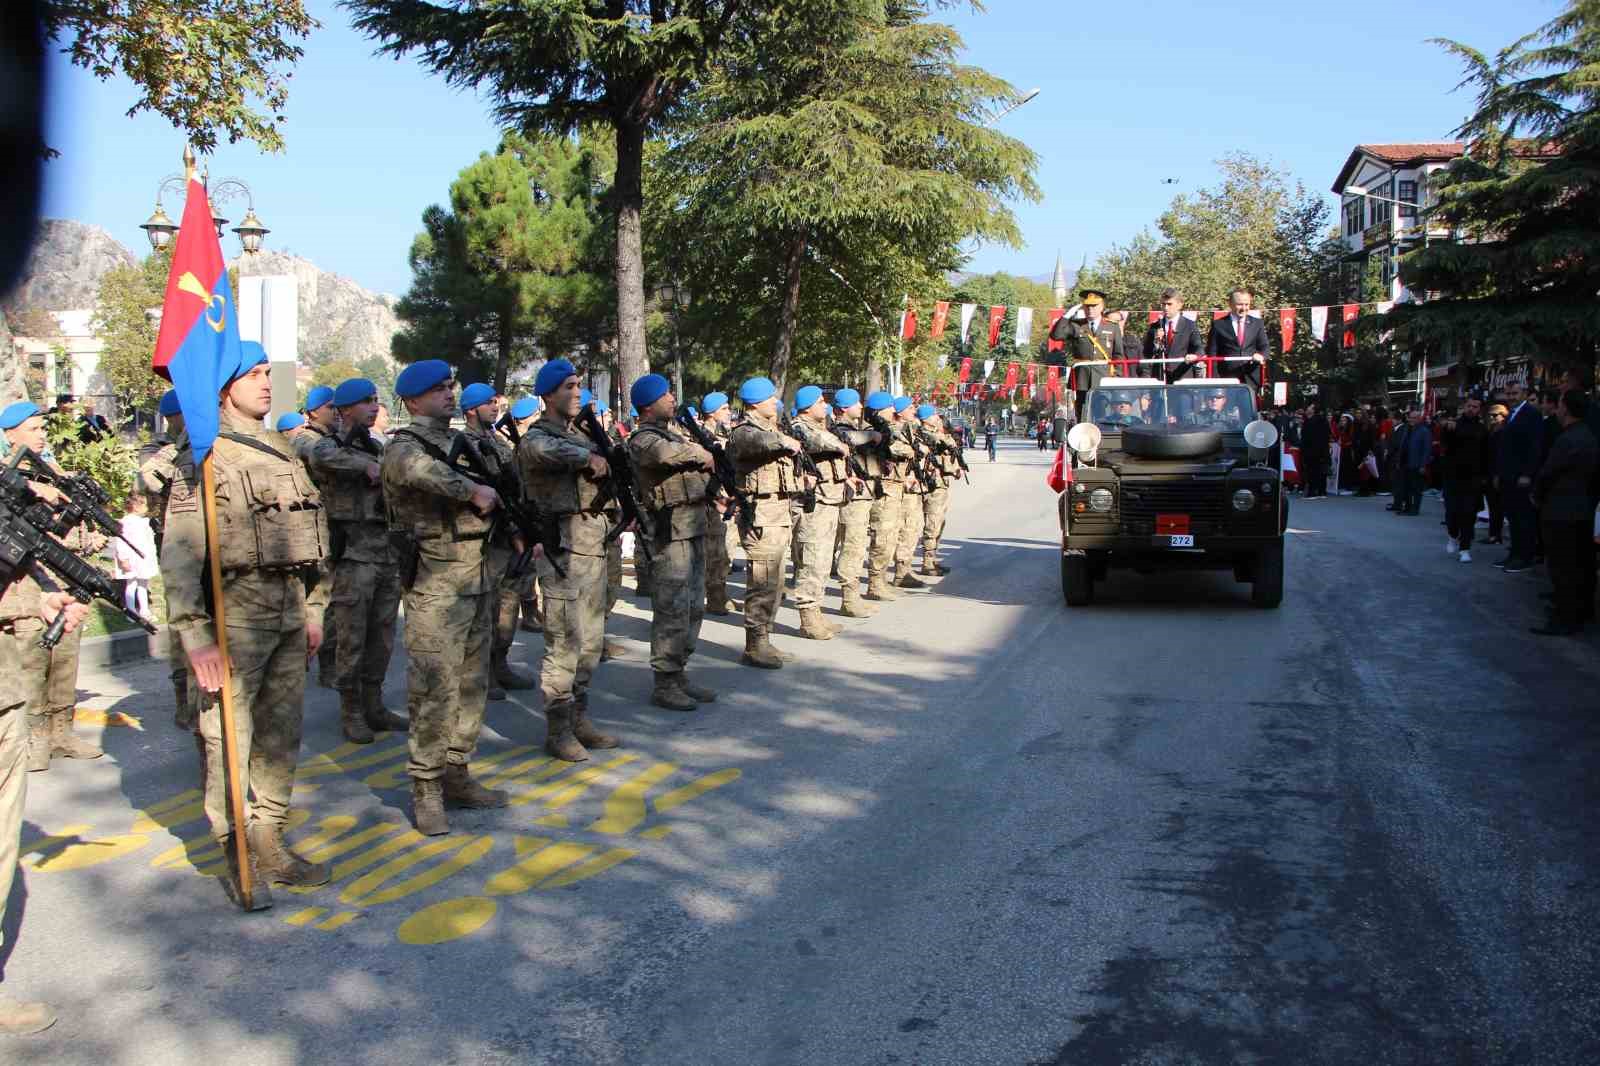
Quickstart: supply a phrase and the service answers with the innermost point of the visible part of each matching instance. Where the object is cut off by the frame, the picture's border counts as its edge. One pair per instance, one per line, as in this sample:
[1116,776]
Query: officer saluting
[274,541]
[442,519]
[1093,339]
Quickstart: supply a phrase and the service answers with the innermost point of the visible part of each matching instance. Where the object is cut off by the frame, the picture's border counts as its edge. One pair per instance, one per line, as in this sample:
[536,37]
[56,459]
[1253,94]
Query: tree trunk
[502,362]
[874,373]
[793,262]
[632,359]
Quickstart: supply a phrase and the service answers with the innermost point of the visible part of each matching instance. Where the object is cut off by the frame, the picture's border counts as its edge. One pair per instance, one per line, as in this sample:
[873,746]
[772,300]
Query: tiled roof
[1398,154]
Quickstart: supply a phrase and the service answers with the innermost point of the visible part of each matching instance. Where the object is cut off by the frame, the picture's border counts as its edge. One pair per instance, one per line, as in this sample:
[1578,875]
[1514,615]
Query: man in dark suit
[1241,334]
[1170,336]
[1315,437]
[1567,516]
[1093,339]
[1520,446]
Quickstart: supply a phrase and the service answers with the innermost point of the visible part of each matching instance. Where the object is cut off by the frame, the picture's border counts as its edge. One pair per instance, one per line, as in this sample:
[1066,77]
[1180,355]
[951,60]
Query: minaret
[1058,284]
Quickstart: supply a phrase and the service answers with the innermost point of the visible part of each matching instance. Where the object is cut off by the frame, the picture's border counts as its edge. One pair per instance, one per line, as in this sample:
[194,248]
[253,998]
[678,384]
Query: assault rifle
[952,449]
[26,544]
[537,527]
[851,436]
[920,457]
[85,499]
[621,483]
[803,462]
[723,475]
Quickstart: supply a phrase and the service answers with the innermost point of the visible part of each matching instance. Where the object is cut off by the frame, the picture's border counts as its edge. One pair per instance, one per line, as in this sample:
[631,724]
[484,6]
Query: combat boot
[379,718]
[698,693]
[260,894]
[759,652]
[851,605]
[352,722]
[495,693]
[508,676]
[812,627]
[532,617]
[22,1019]
[585,730]
[460,790]
[878,589]
[275,862]
[38,742]
[559,740]
[669,693]
[933,568]
[908,580]
[67,744]
[427,807]
[610,649]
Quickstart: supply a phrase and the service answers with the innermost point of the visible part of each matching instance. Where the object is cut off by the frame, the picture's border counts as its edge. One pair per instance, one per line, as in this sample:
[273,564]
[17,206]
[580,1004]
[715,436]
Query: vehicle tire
[1077,582]
[1267,589]
[1170,442]
[1099,565]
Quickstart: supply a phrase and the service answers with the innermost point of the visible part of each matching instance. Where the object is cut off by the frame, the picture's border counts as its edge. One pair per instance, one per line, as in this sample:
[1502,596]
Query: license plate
[1185,540]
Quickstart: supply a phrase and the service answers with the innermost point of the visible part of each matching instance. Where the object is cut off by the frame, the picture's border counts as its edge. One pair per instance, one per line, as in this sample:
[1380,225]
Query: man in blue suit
[1521,447]
[1240,334]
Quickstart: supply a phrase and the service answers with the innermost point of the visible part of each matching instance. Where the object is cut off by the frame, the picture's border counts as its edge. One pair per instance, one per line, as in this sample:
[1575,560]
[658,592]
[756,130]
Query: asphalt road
[979,828]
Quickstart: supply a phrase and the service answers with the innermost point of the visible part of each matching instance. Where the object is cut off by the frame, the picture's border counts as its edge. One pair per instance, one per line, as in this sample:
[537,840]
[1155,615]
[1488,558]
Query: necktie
[1169,333]
[1239,325]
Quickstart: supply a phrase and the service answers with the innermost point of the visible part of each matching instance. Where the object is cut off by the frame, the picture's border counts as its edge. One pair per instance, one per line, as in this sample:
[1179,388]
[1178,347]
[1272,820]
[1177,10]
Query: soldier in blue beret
[855,514]
[888,463]
[911,502]
[764,458]
[722,535]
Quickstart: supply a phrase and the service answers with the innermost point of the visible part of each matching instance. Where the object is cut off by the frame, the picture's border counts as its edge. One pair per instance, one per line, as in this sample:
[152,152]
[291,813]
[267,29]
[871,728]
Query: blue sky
[1131,94]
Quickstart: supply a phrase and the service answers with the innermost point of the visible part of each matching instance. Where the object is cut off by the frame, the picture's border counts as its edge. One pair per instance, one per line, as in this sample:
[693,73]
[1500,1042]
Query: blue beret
[318,396]
[585,397]
[693,412]
[901,403]
[17,413]
[757,390]
[355,390]
[418,378]
[169,403]
[251,355]
[526,407]
[846,398]
[648,389]
[551,375]
[807,396]
[879,400]
[290,420]
[633,412]
[476,395]
[926,411]
[713,402]
[600,407]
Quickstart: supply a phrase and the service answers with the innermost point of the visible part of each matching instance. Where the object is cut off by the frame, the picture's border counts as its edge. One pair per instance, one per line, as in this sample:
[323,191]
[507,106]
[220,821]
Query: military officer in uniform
[886,463]
[523,413]
[936,502]
[720,532]
[563,471]
[322,414]
[855,514]
[322,423]
[764,459]
[157,470]
[910,536]
[1093,339]
[444,519]
[817,529]
[273,536]
[292,424]
[673,472]
[481,411]
[366,578]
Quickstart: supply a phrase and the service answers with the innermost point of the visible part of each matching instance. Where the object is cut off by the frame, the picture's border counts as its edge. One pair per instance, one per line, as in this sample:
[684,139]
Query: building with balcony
[1387,222]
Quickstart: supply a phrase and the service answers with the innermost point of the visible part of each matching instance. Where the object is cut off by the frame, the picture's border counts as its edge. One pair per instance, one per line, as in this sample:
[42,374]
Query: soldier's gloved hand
[313,642]
[484,499]
[207,666]
[57,602]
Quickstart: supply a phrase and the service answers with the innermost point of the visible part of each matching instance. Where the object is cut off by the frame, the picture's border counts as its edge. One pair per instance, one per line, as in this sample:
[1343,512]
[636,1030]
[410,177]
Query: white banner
[988,368]
[1319,323]
[1280,393]
[1024,326]
[966,319]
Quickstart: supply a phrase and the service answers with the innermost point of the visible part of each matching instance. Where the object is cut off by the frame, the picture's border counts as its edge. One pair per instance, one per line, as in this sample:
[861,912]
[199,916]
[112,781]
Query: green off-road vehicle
[1173,477]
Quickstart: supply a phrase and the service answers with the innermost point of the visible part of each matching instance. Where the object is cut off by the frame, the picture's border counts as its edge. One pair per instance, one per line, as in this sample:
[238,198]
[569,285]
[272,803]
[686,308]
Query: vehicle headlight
[1244,500]
[1100,500]
[1267,488]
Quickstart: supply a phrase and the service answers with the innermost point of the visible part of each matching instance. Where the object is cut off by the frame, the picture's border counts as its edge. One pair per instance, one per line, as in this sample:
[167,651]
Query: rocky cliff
[64,270]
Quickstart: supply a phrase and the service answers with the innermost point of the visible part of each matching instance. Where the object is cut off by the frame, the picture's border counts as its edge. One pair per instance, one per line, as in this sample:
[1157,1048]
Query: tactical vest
[876,460]
[354,498]
[676,487]
[431,517]
[563,491]
[775,477]
[269,514]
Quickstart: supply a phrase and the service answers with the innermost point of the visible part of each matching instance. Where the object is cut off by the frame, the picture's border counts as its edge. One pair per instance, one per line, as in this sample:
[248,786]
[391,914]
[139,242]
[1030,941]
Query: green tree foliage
[561,65]
[113,461]
[510,270]
[210,67]
[1525,202]
[834,135]
[335,371]
[122,322]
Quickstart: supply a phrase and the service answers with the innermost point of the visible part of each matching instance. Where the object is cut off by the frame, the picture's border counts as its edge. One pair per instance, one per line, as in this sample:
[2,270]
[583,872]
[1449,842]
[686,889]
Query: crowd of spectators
[1522,462]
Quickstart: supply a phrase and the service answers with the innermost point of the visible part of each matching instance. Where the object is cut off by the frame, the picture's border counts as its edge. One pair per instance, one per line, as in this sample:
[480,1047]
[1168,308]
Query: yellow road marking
[698,787]
[624,808]
[567,789]
[541,862]
[92,716]
[364,889]
[342,919]
[305,917]
[595,866]
[656,832]
[337,761]
[449,920]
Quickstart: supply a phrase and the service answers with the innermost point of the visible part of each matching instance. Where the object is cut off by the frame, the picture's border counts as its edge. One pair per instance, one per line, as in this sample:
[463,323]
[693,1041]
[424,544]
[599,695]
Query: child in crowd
[136,569]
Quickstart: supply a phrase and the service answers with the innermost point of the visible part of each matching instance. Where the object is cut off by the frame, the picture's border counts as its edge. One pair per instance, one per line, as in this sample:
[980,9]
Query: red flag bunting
[1155,316]
[1351,313]
[1011,377]
[908,324]
[1054,345]
[997,315]
[965,372]
[1052,384]
[1286,327]
[941,312]
[1030,380]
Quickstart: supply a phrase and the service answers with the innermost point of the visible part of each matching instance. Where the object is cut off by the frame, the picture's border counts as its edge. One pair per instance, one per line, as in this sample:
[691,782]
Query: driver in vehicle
[1216,411]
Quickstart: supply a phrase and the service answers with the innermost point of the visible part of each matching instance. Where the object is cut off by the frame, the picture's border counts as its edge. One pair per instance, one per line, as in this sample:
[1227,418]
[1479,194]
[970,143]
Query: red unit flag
[1011,377]
[1052,383]
[1351,313]
[908,324]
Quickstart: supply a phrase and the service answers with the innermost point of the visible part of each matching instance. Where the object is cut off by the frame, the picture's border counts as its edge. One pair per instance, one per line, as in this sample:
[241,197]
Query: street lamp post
[160,228]
[676,298]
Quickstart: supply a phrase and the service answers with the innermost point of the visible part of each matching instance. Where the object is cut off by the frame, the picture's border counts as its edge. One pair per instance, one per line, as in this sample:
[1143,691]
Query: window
[1408,193]
[1353,221]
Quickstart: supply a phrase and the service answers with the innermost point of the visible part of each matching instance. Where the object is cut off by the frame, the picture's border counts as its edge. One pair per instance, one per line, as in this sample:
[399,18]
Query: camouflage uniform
[18,629]
[157,471]
[886,463]
[507,591]
[273,537]
[910,518]
[720,532]
[855,518]
[304,444]
[769,478]
[937,502]
[672,484]
[366,581]
[816,531]
[553,458]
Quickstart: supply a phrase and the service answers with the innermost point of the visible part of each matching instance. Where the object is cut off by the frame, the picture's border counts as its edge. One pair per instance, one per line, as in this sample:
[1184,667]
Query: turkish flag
[1030,379]
[1011,377]
[1054,345]
[1351,313]
[941,311]
[1155,316]
[997,315]
[1060,475]
[1052,383]
[908,324]
[1286,327]
[965,372]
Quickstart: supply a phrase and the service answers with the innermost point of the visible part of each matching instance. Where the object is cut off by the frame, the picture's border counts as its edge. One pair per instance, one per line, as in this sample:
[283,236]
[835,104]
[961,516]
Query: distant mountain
[65,267]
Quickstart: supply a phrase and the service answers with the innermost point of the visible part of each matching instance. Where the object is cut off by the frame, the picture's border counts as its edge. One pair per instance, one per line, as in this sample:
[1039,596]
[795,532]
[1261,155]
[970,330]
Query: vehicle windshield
[1225,406]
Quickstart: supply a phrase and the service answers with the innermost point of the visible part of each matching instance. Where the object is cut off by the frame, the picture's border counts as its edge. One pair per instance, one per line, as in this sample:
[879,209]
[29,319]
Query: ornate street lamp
[250,231]
[159,228]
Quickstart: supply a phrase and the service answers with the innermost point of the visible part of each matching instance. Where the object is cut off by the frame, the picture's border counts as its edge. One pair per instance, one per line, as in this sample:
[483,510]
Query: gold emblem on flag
[190,284]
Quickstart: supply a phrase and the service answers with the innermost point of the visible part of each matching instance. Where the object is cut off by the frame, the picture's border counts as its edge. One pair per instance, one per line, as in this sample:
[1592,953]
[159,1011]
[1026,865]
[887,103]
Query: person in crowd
[1495,423]
[1315,441]
[1349,463]
[991,436]
[1520,450]
[92,427]
[134,558]
[1465,461]
[1561,491]
[1414,458]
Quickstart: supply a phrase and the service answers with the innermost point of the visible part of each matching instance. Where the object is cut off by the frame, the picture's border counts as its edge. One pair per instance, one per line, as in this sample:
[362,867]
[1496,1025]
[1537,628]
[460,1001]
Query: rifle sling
[251,442]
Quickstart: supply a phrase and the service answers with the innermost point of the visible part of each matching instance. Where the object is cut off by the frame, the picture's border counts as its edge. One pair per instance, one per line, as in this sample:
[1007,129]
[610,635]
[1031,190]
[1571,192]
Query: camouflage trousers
[910,532]
[678,603]
[574,626]
[718,558]
[268,676]
[447,677]
[183,716]
[614,571]
[884,527]
[642,577]
[855,520]
[49,677]
[366,598]
[507,598]
[815,535]
[934,506]
[766,547]
[13,757]
[328,654]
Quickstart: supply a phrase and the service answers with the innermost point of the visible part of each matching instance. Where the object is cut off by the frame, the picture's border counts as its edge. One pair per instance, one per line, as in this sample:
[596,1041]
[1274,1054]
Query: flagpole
[230,740]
